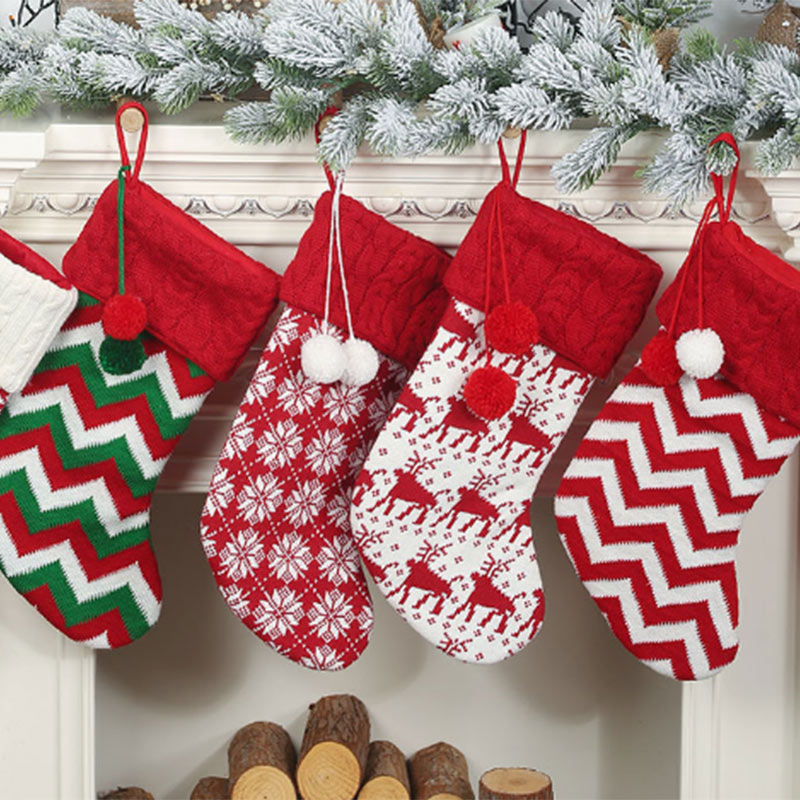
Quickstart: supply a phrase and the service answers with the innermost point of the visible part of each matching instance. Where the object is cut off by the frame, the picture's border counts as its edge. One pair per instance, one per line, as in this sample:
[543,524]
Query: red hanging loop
[123,150]
[517,166]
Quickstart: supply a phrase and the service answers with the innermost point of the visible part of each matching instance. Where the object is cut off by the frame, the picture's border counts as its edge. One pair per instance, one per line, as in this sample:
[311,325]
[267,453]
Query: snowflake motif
[323,658]
[339,509]
[209,546]
[259,498]
[305,502]
[261,386]
[343,403]
[285,332]
[242,554]
[297,394]
[331,615]
[327,452]
[338,561]
[365,619]
[278,613]
[220,493]
[280,445]
[238,599]
[239,439]
[289,557]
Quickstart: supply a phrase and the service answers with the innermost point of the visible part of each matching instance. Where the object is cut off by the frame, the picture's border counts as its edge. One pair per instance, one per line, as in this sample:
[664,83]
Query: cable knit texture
[14,250]
[589,291]
[32,309]
[205,298]
[752,300]
[393,279]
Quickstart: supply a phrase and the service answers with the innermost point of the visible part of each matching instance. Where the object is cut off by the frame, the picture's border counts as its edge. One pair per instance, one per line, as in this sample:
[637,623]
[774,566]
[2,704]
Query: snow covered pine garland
[403,93]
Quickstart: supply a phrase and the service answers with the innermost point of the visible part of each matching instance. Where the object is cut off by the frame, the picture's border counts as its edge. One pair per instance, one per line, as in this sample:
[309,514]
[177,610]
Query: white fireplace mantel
[738,730]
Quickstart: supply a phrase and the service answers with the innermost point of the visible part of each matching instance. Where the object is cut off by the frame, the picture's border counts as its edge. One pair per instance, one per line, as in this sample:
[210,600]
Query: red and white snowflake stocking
[441,508]
[35,299]
[81,449]
[651,506]
[275,526]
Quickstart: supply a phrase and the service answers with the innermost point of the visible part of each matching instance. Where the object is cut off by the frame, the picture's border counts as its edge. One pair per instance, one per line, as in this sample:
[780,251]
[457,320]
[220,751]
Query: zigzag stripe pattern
[80,454]
[650,510]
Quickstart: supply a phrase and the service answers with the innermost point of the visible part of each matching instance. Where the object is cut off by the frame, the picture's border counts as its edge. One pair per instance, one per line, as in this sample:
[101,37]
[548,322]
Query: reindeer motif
[412,405]
[521,523]
[462,330]
[453,646]
[459,417]
[420,576]
[476,507]
[536,618]
[523,431]
[365,483]
[376,570]
[408,489]
[485,594]
[559,363]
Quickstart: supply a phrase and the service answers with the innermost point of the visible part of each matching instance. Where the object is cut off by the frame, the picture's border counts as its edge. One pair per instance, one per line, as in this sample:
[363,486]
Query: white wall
[573,703]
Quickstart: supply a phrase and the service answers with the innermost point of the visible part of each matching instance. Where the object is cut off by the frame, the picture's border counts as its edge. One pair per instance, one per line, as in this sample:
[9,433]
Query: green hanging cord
[122,351]
[121,225]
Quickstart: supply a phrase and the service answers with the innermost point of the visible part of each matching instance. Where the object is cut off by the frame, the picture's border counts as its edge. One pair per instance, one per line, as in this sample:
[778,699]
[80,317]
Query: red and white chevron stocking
[35,299]
[651,507]
[275,526]
[81,449]
[441,508]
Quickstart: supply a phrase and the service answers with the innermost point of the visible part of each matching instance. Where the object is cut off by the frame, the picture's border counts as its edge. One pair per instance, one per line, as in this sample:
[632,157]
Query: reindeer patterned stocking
[441,509]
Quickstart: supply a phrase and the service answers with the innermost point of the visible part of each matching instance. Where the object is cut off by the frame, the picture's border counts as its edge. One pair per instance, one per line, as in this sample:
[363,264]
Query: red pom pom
[660,362]
[124,317]
[489,392]
[512,328]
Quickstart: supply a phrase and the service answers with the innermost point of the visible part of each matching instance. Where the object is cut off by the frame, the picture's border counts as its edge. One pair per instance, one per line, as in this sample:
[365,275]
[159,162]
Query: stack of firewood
[337,761]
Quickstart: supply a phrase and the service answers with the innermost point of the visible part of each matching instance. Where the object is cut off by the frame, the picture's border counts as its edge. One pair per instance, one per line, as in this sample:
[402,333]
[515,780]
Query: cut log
[439,772]
[211,788]
[127,793]
[386,774]
[261,761]
[333,756]
[515,783]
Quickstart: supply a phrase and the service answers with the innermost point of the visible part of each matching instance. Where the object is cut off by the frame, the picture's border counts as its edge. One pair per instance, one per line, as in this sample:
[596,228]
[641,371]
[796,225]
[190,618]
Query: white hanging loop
[323,357]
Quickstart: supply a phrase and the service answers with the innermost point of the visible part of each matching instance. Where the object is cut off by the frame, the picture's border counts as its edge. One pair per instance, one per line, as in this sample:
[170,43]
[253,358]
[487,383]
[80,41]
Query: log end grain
[386,774]
[210,788]
[329,771]
[383,787]
[264,783]
[515,783]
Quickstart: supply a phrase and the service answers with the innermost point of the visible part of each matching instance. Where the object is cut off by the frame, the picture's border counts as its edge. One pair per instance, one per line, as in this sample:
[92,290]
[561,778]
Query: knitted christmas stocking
[441,508]
[81,449]
[651,506]
[35,299]
[276,523]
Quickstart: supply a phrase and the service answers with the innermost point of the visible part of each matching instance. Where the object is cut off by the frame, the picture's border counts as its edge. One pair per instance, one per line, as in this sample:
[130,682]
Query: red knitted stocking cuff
[589,291]
[752,300]
[394,279]
[205,298]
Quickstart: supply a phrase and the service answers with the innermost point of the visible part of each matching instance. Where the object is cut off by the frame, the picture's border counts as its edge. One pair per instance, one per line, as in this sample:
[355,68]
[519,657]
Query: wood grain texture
[261,763]
[386,773]
[515,783]
[126,793]
[333,755]
[439,772]
[210,788]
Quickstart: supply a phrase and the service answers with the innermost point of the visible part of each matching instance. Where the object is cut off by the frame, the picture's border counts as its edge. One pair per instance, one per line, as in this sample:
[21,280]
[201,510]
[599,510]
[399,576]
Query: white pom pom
[362,362]
[700,353]
[323,358]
